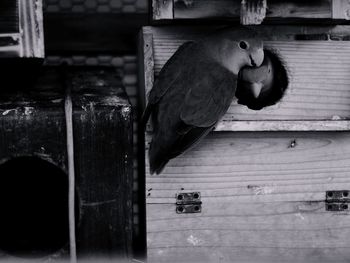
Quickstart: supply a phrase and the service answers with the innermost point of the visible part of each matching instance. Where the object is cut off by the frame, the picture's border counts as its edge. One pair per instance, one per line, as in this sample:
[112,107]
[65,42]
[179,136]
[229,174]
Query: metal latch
[188,203]
[337,200]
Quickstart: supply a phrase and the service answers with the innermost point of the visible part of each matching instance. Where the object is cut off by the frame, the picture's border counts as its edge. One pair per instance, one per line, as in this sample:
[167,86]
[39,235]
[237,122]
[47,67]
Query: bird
[194,90]
[259,87]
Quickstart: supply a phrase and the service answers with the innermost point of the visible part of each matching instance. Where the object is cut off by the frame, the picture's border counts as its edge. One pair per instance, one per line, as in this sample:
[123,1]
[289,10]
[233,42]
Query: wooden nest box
[265,186]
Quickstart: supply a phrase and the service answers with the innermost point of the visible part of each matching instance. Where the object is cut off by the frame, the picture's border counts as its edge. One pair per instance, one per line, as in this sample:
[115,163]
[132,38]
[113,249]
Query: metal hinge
[337,200]
[188,203]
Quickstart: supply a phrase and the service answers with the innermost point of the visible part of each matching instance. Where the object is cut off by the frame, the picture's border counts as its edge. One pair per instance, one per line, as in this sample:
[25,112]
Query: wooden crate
[262,175]
[291,10]
[33,125]
[21,28]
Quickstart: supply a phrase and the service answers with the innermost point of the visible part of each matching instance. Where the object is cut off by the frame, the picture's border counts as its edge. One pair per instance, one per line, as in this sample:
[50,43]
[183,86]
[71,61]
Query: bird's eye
[243,45]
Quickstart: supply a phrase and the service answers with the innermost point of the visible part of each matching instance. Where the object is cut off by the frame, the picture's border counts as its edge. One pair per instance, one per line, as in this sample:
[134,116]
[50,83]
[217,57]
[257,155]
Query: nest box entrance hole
[34,207]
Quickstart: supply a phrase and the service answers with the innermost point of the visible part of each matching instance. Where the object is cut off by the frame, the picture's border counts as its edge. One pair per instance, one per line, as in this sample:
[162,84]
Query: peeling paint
[8,111]
[193,240]
[28,110]
[299,215]
[262,190]
[126,112]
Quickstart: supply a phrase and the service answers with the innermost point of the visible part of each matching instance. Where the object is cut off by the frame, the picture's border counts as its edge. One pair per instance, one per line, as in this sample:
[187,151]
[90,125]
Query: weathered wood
[102,123]
[21,29]
[162,9]
[289,11]
[263,200]
[266,125]
[318,70]
[33,124]
[252,12]
[341,9]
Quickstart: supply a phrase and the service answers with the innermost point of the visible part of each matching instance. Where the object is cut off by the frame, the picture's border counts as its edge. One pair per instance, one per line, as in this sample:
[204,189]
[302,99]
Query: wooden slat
[263,200]
[277,10]
[318,70]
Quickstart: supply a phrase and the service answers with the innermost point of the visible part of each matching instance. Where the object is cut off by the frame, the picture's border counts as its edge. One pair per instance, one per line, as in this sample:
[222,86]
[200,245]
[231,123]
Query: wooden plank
[102,123]
[253,12]
[162,9]
[262,200]
[277,10]
[317,69]
[340,9]
[322,125]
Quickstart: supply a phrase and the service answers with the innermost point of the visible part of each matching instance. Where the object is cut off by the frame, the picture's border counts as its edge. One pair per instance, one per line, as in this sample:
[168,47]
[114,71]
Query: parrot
[262,86]
[194,90]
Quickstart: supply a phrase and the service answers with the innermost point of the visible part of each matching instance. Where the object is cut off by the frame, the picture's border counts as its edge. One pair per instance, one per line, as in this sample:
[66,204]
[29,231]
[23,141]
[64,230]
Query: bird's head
[237,50]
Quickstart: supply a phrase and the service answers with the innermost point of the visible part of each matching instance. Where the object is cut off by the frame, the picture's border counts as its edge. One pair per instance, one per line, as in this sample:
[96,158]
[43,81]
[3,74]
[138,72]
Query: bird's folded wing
[209,97]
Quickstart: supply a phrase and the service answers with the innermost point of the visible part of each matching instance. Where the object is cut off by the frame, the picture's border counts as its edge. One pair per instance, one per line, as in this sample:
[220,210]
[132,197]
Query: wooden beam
[162,9]
[290,11]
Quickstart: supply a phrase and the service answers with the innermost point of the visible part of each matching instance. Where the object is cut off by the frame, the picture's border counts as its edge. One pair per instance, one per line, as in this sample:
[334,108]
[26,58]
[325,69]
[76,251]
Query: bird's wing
[169,73]
[210,96]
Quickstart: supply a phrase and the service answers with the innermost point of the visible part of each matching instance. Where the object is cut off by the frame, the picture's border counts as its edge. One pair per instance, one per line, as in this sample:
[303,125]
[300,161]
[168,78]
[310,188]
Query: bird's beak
[257,58]
[256,89]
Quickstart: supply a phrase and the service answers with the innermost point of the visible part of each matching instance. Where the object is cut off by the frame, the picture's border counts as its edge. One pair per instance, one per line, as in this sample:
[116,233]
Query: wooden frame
[28,41]
[262,175]
[291,10]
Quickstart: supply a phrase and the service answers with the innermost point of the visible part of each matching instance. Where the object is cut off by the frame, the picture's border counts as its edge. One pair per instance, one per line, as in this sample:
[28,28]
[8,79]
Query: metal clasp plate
[188,203]
[337,200]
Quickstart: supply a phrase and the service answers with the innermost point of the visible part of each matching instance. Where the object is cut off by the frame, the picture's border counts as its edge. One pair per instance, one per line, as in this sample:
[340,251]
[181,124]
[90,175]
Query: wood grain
[318,71]
[277,10]
[263,199]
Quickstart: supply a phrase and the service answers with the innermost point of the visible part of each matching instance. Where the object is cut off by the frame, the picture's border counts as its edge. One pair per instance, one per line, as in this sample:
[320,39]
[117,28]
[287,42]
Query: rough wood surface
[102,124]
[318,70]
[32,123]
[263,199]
[26,31]
[276,10]
[252,12]
[341,9]
[162,9]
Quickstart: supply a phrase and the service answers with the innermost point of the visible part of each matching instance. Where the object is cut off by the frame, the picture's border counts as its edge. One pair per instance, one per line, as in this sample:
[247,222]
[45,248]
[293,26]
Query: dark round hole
[34,207]
[243,45]
[196,208]
[329,207]
[180,209]
[329,194]
[345,194]
[180,197]
[273,88]
[344,206]
[196,196]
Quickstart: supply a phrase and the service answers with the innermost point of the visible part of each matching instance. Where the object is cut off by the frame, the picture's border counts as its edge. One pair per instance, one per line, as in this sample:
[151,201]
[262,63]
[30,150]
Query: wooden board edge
[313,125]
[31,23]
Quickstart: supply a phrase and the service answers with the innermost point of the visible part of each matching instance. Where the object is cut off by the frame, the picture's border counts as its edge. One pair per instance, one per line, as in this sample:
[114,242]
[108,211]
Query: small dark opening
[272,90]
[34,207]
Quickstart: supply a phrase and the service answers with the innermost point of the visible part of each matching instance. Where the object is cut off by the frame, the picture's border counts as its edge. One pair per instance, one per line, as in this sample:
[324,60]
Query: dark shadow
[270,95]
[34,207]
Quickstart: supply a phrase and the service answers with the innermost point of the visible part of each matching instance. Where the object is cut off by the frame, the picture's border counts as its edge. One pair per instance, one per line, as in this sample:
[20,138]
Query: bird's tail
[157,160]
